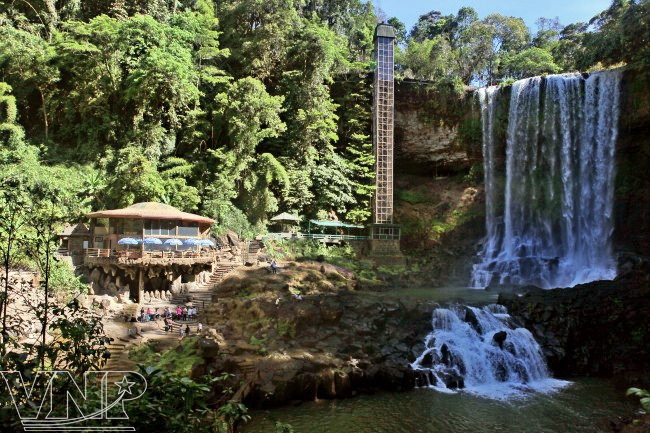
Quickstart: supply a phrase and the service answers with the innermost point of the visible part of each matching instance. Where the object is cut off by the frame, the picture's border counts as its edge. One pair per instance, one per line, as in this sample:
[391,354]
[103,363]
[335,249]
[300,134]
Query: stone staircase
[254,247]
[200,296]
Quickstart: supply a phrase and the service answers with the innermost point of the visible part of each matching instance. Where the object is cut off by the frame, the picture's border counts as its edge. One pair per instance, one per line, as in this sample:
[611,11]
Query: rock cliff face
[331,342]
[595,329]
[632,203]
[436,133]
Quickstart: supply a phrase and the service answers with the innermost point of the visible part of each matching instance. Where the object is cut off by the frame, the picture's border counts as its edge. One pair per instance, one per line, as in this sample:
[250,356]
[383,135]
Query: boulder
[95,275]
[233,238]
[124,296]
[106,303]
[499,338]
[208,347]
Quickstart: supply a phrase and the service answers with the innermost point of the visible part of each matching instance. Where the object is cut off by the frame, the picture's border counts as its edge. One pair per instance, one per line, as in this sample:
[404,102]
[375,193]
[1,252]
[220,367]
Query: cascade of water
[481,351]
[555,224]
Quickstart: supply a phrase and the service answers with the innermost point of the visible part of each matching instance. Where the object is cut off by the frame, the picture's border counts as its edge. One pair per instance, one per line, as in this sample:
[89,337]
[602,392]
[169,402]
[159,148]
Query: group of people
[169,316]
[180,313]
[169,327]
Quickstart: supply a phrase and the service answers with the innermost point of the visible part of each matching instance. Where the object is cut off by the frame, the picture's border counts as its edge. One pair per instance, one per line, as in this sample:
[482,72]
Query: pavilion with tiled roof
[148,219]
[141,264]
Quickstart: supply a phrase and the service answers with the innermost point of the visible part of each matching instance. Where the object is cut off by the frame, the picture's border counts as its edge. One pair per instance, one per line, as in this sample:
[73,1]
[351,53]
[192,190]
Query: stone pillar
[140,285]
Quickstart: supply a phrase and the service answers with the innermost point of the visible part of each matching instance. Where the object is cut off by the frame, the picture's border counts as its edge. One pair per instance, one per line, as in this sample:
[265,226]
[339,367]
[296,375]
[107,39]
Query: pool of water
[586,406]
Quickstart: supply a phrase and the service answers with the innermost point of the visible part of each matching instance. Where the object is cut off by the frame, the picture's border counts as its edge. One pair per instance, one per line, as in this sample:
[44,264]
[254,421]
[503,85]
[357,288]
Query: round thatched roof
[151,210]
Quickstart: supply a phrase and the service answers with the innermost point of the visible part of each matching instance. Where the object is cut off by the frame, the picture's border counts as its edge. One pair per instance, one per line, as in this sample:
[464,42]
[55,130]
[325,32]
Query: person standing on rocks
[274,267]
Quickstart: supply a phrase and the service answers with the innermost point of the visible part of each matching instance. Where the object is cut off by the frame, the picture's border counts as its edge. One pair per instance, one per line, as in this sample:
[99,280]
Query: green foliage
[178,362]
[266,107]
[644,396]
[232,413]
[412,197]
[474,175]
[281,427]
[77,340]
[470,133]
[133,178]
[529,62]
[286,328]
[64,281]
[181,404]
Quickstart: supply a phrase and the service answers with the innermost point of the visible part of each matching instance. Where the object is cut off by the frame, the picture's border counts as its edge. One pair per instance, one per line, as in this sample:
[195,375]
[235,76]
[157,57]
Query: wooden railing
[320,236]
[126,254]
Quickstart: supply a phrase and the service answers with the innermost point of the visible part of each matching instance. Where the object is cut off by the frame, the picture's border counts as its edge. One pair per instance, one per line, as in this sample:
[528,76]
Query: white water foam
[462,350]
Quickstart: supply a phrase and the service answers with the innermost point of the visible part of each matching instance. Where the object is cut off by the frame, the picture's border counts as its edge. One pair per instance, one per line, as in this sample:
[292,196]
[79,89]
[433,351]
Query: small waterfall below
[549,219]
[481,351]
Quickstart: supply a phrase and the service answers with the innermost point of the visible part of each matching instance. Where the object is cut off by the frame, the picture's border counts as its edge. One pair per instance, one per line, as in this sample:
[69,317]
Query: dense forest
[238,109]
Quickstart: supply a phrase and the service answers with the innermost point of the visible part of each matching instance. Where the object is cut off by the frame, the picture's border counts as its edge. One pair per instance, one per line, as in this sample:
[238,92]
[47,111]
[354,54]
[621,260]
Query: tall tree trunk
[53,17]
[48,234]
[45,121]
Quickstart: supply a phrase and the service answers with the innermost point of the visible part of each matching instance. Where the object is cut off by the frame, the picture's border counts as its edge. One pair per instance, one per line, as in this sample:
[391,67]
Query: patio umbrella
[128,241]
[173,242]
[206,242]
[286,217]
[150,241]
[192,242]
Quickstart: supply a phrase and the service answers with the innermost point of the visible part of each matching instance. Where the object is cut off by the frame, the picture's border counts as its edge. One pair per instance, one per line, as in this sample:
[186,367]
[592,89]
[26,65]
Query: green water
[587,406]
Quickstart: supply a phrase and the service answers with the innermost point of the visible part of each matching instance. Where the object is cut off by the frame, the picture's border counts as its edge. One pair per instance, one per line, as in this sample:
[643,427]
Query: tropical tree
[529,62]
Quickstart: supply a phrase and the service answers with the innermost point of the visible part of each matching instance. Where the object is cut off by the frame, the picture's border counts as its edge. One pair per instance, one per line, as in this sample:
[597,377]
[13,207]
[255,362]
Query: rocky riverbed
[310,332]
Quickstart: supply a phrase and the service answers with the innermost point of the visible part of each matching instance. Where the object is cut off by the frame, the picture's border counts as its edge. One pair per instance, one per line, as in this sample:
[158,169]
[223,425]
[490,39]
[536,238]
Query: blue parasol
[173,242]
[206,242]
[152,241]
[128,241]
[192,241]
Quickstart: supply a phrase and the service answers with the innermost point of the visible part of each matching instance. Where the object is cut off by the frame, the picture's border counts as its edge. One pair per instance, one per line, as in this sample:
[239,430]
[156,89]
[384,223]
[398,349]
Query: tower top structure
[384,30]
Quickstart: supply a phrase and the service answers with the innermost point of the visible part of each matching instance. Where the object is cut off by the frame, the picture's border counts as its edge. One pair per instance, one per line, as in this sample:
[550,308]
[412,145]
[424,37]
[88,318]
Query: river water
[586,406]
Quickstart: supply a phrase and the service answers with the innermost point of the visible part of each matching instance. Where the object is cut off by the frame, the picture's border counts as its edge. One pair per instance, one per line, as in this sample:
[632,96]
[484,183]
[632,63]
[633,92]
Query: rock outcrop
[329,342]
[595,329]
[433,129]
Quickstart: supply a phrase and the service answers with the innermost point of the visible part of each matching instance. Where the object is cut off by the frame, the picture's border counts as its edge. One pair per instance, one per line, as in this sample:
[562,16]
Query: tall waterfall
[481,351]
[550,223]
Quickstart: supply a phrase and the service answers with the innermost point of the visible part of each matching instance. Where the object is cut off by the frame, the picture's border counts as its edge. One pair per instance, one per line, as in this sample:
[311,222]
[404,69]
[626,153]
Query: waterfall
[481,351]
[550,222]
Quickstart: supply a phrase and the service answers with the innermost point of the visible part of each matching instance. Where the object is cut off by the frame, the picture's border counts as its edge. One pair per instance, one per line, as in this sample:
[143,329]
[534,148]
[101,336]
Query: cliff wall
[438,133]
